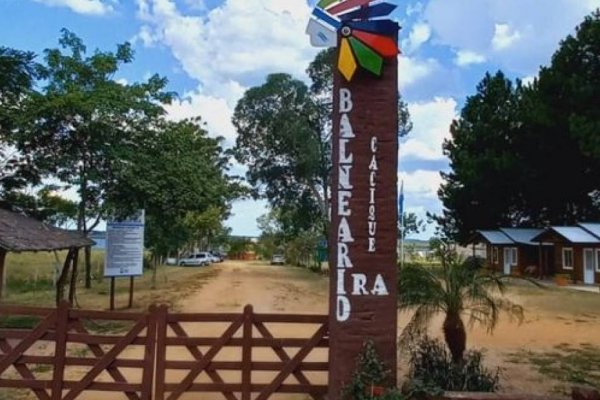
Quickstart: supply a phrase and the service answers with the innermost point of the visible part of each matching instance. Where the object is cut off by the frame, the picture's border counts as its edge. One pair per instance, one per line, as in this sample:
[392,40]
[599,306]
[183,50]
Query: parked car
[171,261]
[278,259]
[218,256]
[198,259]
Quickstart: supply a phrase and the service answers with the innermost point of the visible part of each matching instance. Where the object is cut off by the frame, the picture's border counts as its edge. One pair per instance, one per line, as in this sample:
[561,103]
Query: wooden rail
[68,352]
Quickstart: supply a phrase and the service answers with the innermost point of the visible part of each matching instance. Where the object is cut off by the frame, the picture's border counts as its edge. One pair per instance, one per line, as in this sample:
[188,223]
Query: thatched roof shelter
[19,233]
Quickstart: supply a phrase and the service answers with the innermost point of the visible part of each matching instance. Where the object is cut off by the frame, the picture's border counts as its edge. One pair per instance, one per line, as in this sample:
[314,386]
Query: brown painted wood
[161,352]
[62,279]
[256,388]
[27,342]
[280,352]
[211,370]
[293,364]
[238,342]
[105,361]
[247,354]
[229,365]
[193,374]
[2,272]
[112,293]
[149,354]
[60,349]
[24,371]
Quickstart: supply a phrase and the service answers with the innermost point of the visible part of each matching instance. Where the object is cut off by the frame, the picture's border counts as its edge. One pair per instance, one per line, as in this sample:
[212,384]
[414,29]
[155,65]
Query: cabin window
[495,255]
[597,260]
[514,256]
[567,256]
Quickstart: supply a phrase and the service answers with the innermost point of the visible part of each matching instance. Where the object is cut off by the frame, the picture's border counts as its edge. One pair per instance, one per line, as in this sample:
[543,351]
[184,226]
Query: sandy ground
[550,321]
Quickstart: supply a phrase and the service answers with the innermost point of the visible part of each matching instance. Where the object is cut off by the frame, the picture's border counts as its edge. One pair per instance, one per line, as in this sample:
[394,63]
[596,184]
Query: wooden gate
[64,353]
[59,359]
[246,366]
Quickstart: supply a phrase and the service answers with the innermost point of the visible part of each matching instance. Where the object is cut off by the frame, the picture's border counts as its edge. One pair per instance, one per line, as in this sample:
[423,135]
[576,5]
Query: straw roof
[20,233]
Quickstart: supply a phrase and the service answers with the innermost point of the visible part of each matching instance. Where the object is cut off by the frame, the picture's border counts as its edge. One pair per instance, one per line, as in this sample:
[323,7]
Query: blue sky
[213,50]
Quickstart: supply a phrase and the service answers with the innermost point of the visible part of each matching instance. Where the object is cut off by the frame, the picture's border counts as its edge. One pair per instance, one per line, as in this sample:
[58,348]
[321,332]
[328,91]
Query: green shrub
[370,372]
[433,372]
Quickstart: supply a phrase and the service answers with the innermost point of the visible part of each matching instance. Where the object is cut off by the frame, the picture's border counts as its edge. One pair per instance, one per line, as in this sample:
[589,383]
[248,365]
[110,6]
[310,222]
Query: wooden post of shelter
[2,273]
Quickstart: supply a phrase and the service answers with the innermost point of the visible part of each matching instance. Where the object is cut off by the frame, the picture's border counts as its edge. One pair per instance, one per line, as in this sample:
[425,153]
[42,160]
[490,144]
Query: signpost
[364,213]
[124,252]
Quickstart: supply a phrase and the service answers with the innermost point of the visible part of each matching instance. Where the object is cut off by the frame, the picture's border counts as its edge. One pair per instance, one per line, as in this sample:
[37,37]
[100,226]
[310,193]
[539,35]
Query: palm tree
[460,291]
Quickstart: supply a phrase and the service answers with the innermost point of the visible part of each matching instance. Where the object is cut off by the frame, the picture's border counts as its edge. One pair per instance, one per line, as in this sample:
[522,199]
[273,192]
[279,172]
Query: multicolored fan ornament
[365,38]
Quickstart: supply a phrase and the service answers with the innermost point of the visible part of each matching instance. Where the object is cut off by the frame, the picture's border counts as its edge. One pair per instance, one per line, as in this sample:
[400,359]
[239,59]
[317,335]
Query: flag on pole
[401,203]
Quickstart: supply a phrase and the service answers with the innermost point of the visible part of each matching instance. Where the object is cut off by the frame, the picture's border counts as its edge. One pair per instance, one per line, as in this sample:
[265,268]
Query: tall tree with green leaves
[76,127]
[18,72]
[284,138]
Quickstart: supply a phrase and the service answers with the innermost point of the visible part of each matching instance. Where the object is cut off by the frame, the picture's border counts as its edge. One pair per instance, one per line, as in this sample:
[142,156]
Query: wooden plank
[197,354]
[27,342]
[77,361]
[247,353]
[280,352]
[112,370]
[293,364]
[193,374]
[238,342]
[237,387]
[105,361]
[202,317]
[97,386]
[150,354]
[24,371]
[24,310]
[161,352]
[237,365]
[60,349]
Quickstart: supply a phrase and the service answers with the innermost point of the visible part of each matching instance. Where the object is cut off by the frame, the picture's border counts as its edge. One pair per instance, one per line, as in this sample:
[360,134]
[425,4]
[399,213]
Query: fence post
[60,348]
[149,353]
[247,353]
[161,351]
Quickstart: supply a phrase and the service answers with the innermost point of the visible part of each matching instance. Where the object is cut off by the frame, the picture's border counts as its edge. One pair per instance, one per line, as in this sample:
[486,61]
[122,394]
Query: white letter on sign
[343,308]
[345,100]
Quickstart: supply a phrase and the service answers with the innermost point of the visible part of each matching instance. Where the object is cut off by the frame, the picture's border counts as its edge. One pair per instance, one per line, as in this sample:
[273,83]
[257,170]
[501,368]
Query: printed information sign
[125,247]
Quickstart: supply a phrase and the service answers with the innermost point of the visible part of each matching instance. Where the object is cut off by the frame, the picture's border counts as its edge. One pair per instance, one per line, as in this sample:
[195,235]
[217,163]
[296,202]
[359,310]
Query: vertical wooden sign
[363,236]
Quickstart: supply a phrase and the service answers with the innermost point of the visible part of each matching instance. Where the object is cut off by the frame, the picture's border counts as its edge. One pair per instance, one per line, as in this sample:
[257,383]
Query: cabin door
[507,261]
[588,266]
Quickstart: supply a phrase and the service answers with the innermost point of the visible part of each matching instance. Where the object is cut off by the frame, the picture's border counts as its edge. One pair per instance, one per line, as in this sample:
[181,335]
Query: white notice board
[125,247]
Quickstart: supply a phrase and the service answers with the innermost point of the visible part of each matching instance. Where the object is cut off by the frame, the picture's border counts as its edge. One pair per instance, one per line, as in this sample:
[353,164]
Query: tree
[412,224]
[81,122]
[284,138]
[18,72]
[528,156]
[482,190]
[177,173]
[459,292]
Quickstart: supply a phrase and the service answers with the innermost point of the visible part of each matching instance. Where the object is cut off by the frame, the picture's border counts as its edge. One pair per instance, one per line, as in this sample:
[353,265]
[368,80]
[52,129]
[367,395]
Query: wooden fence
[67,354]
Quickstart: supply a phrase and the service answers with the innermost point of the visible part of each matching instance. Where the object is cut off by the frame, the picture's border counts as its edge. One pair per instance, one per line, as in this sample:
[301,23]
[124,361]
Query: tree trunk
[73,284]
[456,336]
[62,279]
[154,271]
[88,267]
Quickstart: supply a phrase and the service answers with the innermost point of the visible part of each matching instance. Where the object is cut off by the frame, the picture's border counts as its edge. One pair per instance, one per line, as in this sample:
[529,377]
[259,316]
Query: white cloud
[412,70]
[466,57]
[419,34]
[431,127]
[239,40]
[215,112]
[528,80]
[518,35]
[91,7]
[505,37]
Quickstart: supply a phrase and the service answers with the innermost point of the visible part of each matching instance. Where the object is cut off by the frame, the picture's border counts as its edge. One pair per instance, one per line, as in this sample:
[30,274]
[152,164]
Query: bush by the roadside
[432,371]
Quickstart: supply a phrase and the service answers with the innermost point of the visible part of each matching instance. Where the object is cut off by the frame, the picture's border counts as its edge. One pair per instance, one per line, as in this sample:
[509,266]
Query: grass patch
[574,365]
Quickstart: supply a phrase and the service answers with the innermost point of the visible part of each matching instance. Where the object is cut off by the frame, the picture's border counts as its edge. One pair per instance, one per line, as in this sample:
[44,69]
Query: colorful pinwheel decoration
[365,38]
